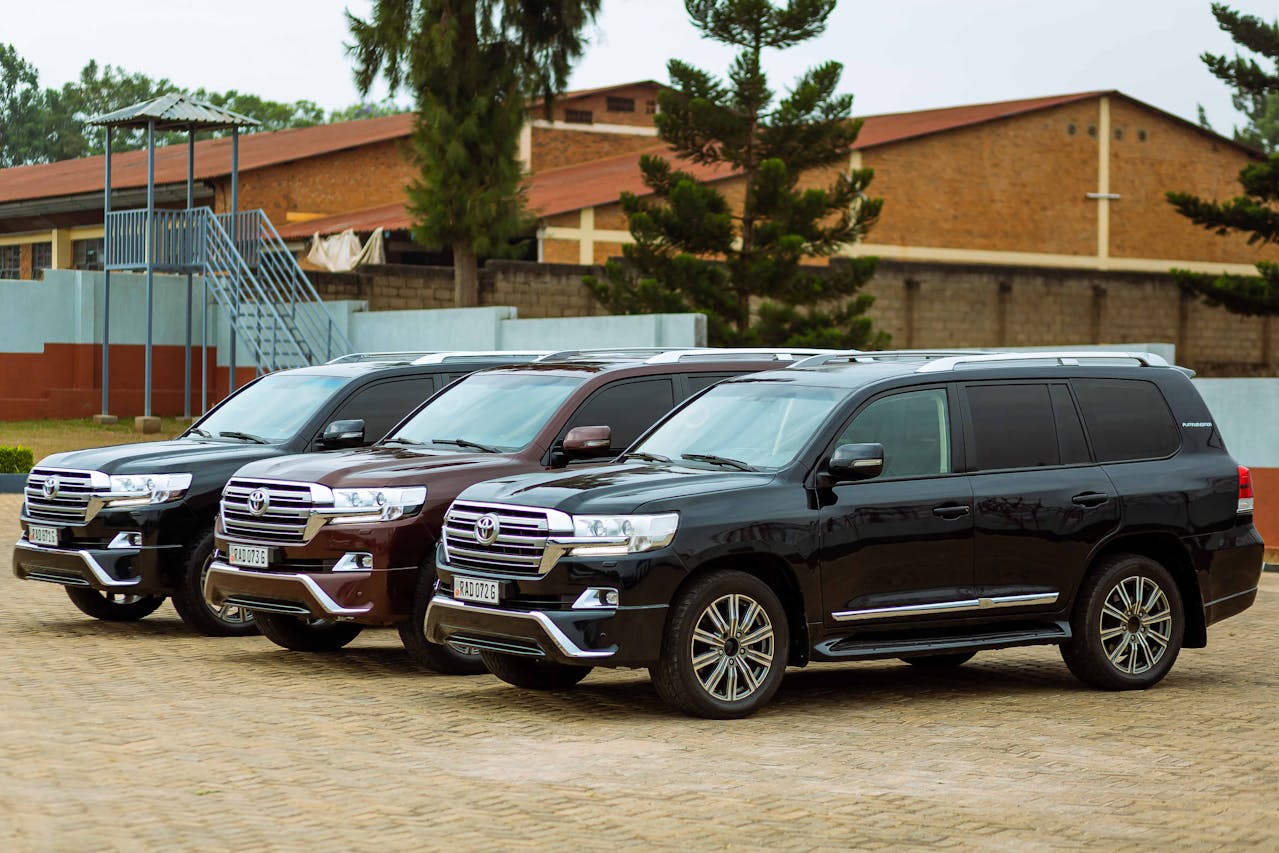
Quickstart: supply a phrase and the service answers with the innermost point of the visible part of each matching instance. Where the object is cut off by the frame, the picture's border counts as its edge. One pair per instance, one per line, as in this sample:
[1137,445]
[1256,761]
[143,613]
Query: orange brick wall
[598,106]
[554,147]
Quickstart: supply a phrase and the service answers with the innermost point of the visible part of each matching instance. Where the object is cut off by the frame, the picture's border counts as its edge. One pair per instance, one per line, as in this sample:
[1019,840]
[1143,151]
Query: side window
[1013,426]
[1070,432]
[698,381]
[914,428]
[628,407]
[382,404]
[1126,419]
[444,380]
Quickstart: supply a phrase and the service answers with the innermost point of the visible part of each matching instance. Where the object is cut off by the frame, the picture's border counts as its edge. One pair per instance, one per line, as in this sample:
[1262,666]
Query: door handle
[1089,499]
[951,511]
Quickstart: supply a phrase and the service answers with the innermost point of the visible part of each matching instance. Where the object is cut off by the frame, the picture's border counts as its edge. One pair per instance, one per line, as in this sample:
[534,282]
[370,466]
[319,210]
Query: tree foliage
[472,67]
[1255,212]
[693,250]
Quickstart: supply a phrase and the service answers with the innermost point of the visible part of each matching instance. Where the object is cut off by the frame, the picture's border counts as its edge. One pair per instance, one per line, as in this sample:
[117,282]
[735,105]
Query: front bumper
[374,597]
[104,569]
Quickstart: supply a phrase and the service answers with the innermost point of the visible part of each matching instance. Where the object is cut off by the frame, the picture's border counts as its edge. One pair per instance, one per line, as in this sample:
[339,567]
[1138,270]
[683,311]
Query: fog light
[126,540]
[356,561]
[597,597]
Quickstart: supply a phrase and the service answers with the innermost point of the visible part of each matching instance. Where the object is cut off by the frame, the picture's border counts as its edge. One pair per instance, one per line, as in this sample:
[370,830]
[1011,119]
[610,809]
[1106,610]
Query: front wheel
[725,649]
[533,673]
[1128,625]
[442,659]
[113,606]
[188,595]
[306,635]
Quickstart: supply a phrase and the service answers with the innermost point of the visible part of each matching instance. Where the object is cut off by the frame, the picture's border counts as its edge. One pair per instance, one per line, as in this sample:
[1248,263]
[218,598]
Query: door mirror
[587,442]
[856,462]
[343,434]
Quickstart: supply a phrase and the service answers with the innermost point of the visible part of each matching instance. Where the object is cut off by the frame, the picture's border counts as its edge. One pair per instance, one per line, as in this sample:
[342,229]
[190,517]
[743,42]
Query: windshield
[744,425]
[272,409]
[487,412]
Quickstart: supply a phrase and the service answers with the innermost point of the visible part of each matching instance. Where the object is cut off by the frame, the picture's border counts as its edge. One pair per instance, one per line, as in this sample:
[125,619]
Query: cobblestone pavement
[143,736]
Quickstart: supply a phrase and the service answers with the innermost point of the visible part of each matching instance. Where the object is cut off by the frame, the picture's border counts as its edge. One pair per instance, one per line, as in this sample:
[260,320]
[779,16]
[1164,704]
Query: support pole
[106,287]
[150,248]
[204,342]
[188,243]
[235,242]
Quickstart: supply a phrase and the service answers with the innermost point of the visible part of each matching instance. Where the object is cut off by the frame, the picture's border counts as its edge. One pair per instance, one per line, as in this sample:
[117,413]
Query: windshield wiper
[462,442]
[651,457]
[244,436]
[717,460]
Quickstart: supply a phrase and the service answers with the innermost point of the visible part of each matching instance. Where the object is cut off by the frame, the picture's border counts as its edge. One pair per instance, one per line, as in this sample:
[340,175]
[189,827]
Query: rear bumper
[1229,566]
[362,596]
[104,569]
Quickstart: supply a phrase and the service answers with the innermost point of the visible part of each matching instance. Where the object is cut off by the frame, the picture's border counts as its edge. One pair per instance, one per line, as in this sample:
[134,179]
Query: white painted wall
[1247,413]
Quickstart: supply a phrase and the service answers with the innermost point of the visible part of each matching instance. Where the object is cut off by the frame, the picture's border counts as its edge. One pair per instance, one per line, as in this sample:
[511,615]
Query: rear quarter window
[1127,419]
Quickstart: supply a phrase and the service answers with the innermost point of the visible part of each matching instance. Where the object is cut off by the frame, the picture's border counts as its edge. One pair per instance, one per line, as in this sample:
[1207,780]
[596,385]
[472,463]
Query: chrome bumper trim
[561,640]
[1036,598]
[326,602]
[95,568]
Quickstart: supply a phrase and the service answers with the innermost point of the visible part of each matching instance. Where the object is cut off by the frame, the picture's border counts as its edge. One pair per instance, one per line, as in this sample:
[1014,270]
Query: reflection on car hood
[160,457]
[378,466]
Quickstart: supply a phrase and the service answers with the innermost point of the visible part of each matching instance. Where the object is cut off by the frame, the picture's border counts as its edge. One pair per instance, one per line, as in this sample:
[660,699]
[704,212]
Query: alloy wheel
[732,647]
[1135,625]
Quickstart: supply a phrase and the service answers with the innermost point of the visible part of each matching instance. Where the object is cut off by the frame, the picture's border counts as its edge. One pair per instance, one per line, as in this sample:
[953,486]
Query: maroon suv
[320,545]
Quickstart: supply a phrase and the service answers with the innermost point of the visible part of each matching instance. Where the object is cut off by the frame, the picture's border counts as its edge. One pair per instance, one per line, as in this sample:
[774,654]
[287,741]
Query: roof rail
[853,356]
[611,352]
[735,354]
[402,357]
[478,355]
[1068,358]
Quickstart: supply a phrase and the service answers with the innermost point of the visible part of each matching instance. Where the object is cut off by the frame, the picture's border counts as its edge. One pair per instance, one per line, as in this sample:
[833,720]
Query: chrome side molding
[1034,598]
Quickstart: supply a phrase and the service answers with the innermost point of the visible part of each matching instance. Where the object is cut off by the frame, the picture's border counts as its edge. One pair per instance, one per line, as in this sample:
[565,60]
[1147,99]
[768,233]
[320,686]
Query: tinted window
[628,407]
[1013,426]
[382,404]
[1126,419]
[914,429]
[698,381]
[1070,433]
[275,407]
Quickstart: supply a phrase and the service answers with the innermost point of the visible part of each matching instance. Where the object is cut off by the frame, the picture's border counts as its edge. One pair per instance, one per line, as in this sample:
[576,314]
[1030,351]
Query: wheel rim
[1136,625]
[228,614]
[732,647]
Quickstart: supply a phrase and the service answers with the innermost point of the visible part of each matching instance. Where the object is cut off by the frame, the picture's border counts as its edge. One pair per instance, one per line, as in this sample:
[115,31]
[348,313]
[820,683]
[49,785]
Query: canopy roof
[174,112]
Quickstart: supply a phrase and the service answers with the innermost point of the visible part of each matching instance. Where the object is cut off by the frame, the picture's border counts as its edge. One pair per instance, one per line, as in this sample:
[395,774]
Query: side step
[869,648]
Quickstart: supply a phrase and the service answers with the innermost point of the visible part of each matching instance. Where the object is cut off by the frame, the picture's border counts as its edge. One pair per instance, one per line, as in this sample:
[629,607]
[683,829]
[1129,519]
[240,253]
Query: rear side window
[628,408]
[383,404]
[1127,419]
[698,381]
[1013,426]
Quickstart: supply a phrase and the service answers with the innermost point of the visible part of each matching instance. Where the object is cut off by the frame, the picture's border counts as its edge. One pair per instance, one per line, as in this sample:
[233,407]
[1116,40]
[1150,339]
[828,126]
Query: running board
[852,648]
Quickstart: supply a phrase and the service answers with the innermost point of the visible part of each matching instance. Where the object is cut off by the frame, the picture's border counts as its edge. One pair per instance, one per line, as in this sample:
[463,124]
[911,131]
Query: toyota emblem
[259,501]
[50,487]
[487,528]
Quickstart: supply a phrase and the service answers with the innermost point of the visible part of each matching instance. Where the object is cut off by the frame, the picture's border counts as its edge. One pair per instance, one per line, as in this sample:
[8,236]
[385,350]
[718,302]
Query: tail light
[1245,491]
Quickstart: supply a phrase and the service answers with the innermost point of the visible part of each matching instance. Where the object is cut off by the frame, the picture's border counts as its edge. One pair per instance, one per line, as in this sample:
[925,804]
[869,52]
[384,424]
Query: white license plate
[251,556]
[42,535]
[472,589]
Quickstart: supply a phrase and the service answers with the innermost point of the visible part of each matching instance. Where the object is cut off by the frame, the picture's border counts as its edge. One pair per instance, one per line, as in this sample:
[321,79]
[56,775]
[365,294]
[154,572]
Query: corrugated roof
[174,111]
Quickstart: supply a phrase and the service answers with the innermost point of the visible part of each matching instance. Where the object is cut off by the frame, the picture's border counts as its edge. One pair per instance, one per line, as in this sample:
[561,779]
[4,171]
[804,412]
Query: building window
[650,107]
[579,117]
[41,259]
[621,105]
[87,254]
[10,262]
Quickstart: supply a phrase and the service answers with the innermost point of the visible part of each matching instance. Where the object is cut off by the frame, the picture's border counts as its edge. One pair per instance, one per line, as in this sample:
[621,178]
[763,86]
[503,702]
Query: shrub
[15,460]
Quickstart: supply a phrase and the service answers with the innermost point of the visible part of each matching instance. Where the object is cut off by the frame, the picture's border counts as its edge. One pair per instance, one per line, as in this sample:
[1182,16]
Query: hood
[377,466]
[624,488]
[161,457]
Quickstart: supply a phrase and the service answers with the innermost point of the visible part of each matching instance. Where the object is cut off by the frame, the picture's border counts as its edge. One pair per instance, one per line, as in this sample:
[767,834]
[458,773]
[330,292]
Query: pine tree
[472,66]
[693,251]
[1256,90]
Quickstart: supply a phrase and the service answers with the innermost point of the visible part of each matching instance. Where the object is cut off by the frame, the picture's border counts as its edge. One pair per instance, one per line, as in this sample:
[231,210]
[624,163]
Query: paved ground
[145,737]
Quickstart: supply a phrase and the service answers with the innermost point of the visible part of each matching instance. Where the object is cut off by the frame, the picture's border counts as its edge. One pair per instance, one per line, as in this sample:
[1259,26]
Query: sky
[898,54]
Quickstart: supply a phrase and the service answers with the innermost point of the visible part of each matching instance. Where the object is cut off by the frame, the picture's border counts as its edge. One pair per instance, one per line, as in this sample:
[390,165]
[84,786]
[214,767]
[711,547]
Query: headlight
[641,533]
[352,506]
[137,489]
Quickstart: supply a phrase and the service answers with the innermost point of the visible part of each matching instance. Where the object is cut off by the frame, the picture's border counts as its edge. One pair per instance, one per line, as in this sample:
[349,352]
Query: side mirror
[856,462]
[343,434]
[586,442]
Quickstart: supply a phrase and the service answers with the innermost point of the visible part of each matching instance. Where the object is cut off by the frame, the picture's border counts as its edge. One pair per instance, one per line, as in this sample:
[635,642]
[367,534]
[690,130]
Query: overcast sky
[898,54]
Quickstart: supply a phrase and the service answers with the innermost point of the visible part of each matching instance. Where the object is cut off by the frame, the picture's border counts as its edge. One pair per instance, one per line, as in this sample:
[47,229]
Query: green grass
[49,436]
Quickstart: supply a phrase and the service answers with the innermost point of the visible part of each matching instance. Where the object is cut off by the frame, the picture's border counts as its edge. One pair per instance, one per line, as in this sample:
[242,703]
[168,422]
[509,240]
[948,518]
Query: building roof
[895,127]
[174,111]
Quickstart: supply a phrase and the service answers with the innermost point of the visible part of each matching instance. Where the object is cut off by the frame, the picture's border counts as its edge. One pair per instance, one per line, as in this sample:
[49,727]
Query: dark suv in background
[321,546]
[122,528]
[867,506]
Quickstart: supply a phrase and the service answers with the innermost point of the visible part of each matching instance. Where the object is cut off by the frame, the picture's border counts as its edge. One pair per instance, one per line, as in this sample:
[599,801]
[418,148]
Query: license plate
[472,589]
[42,535]
[251,556]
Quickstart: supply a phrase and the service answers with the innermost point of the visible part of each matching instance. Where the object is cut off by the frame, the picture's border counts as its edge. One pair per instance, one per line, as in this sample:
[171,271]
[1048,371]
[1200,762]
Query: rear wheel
[444,659]
[306,635]
[1127,626]
[939,661]
[725,649]
[188,595]
[113,606]
[533,673]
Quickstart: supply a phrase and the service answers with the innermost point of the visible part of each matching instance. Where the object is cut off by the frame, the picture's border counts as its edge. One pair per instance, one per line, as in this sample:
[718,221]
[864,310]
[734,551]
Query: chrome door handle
[1089,499]
[950,512]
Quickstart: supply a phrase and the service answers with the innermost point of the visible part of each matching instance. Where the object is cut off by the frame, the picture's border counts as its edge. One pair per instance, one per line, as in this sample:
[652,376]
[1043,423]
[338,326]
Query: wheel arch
[1168,551]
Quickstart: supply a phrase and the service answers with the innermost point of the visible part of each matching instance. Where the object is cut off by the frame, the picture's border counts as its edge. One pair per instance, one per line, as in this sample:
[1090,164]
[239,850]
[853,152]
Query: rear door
[1041,503]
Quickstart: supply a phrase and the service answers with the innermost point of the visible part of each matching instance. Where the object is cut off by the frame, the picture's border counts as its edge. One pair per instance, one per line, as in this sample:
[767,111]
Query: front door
[899,548]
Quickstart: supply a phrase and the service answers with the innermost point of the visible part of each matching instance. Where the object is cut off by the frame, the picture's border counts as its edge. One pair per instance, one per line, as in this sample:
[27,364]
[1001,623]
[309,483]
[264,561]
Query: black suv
[123,527]
[869,506]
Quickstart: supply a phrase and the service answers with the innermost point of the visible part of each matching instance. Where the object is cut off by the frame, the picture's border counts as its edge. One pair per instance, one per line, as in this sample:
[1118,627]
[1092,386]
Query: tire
[442,659]
[1127,626]
[113,606]
[712,687]
[533,673]
[189,600]
[306,635]
[939,661]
